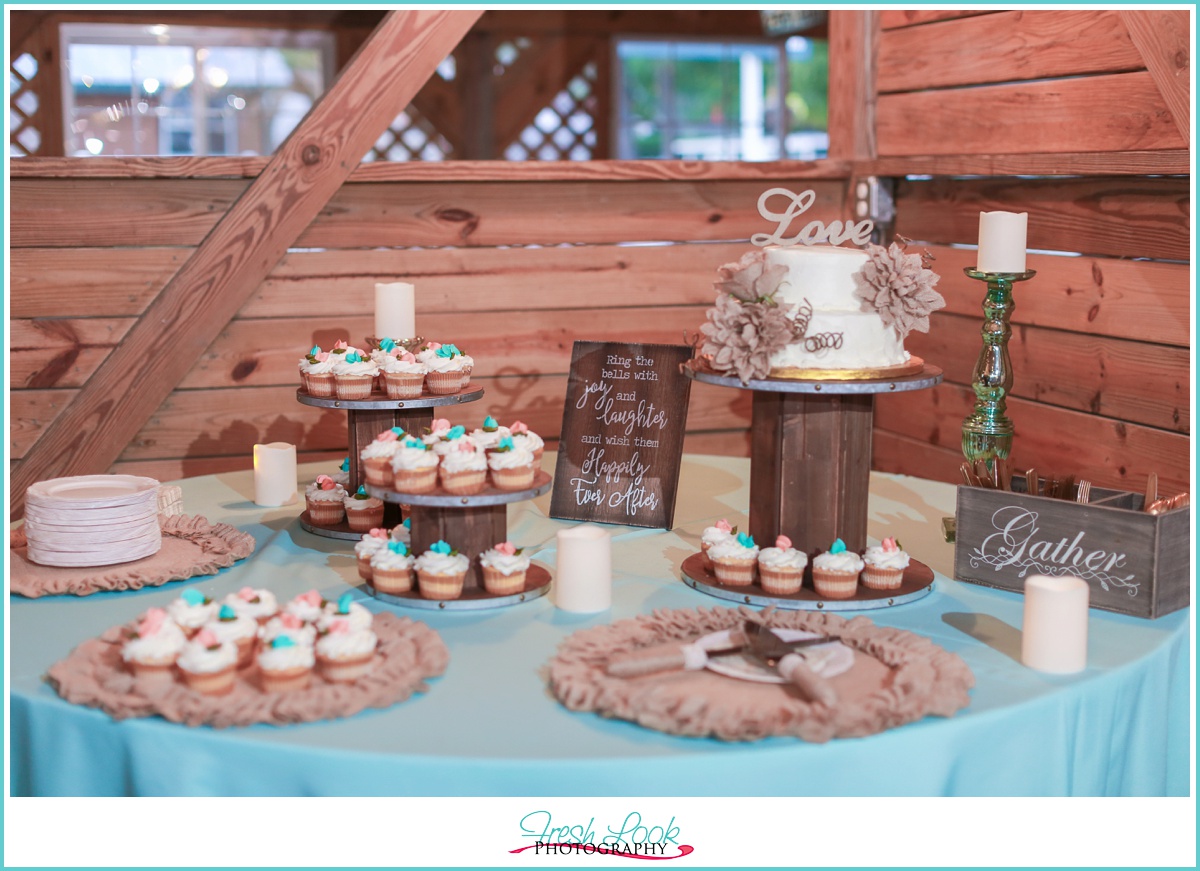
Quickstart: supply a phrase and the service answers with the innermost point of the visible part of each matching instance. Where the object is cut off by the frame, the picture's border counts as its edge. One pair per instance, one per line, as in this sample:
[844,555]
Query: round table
[490,727]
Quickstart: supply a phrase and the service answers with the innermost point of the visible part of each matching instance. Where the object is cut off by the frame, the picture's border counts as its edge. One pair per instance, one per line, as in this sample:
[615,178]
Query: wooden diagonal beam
[243,247]
[1161,37]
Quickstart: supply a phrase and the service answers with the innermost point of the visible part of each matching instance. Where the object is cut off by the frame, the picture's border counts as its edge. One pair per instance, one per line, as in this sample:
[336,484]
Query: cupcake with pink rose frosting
[524,437]
[884,565]
[414,467]
[307,606]
[504,567]
[464,469]
[835,572]
[403,374]
[715,534]
[208,665]
[191,611]
[781,568]
[152,648]
[436,430]
[391,569]
[511,466]
[316,372]
[259,605]
[451,440]
[291,626]
[376,457]
[353,373]
[372,542]
[344,654]
[325,499]
[734,560]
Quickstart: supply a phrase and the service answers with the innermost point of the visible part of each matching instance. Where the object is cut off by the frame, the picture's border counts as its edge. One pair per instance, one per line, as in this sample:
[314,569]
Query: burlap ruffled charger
[95,675]
[191,546]
[898,677]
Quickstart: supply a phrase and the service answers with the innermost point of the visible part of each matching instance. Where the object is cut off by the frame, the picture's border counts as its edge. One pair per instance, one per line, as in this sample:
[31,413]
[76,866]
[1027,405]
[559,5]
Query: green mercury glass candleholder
[987,433]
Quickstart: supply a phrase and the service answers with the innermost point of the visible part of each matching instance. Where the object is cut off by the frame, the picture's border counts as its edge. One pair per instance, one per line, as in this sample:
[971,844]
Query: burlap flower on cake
[740,337]
[750,279]
[899,287]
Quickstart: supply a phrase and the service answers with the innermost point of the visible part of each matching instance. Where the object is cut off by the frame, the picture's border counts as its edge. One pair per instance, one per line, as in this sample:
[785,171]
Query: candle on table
[1002,241]
[274,474]
[1054,633]
[395,310]
[583,580]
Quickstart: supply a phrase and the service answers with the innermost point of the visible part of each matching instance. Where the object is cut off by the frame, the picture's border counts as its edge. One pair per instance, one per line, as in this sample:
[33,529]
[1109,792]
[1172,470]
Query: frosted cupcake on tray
[449,368]
[308,607]
[258,605]
[719,532]
[208,665]
[450,440]
[353,373]
[391,569]
[511,466]
[734,560]
[414,467]
[291,626]
[191,611]
[488,436]
[403,374]
[363,511]
[240,629]
[504,567]
[324,499]
[835,572]
[524,437]
[284,665]
[345,608]
[884,565]
[781,568]
[464,469]
[152,648]
[441,571]
[344,654]
[316,372]
[376,457]
[370,544]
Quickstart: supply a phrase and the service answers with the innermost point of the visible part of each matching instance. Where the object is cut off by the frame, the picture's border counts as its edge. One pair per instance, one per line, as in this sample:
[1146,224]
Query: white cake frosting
[846,562]
[823,276]
[876,556]
[304,634]
[347,645]
[782,558]
[504,563]
[198,658]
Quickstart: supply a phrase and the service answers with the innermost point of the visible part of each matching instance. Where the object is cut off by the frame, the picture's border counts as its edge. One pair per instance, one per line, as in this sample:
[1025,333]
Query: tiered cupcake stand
[809,478]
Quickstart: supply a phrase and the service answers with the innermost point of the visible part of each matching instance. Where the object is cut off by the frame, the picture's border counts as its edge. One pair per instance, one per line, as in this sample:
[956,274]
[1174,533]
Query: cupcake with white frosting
[344,654]
[153,646]
[284,665]
[324,499]
[414,467]
[208,665]
[363,511]
[884,565]
[734,560]
[504,568]
[191,611]
[436,431]
[781,568]
[372,542]
[524,437]
[449,368]
[835,572]
[291,626]
[240,629]
[403,374]
[376,458]
[464,470]
[403,531]
[353,374]
[391,569]
[308,607]
[316,372]
[258,605]
[715,534]
[345,608]
[488,436]
[441,571]
[511,466]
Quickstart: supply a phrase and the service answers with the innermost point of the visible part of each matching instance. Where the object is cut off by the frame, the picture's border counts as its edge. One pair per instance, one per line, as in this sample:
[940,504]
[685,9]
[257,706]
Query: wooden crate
[1135,563]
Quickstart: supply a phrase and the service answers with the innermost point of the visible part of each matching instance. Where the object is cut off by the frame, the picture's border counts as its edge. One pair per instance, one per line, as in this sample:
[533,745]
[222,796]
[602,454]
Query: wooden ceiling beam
[243,247]
[1161,36]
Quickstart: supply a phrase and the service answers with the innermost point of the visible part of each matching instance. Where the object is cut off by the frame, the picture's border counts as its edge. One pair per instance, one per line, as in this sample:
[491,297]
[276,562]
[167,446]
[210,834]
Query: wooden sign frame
[622,434]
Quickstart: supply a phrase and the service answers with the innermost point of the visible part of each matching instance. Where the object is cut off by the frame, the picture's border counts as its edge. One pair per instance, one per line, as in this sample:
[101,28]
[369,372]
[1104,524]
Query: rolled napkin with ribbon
[675,657]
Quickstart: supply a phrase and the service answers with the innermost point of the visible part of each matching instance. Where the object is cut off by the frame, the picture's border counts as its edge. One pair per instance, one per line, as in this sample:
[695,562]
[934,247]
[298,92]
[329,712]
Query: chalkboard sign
[622,434]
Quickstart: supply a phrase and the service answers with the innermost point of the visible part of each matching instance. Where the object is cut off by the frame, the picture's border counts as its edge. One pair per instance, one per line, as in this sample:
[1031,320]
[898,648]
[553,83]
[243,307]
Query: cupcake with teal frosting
[364,512]
[488,436]
[285,665]
[835,572]
[734,560]
[449,368]
[441,571]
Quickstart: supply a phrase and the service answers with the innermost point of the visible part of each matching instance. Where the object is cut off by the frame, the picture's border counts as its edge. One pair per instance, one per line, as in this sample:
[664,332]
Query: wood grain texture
[1120,112]
[1118,217]
[176,469]
[1162,38]
[853,38]
[88,282]
[251,237]
[891,452]
[1125,299]
[1072,370]
[1005,46]
[1110,453]
[892,18]
[60,352]
[1168,162]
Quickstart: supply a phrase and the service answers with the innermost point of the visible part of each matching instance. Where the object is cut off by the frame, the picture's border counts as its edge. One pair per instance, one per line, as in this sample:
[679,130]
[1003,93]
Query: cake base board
[537,584]
[912,367]
[916,584]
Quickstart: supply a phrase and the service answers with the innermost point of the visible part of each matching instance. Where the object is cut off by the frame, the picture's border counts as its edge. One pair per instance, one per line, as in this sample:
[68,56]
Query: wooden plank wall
[512,265]
[1053,113]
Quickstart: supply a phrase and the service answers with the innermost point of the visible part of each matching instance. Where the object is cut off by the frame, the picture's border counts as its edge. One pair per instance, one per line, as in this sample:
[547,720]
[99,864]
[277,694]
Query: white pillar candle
[274,474]
[395,310]
[1054,635]
[583,581]
[1002,241]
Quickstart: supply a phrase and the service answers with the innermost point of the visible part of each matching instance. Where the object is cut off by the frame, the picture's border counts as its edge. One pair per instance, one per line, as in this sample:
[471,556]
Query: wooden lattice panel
[565,129]
[24,135]
[411,136]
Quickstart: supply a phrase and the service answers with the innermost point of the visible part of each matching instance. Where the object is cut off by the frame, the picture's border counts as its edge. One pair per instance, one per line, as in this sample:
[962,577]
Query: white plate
[89,516]
[90,540]
[86,560]
[95,490]
[827,660]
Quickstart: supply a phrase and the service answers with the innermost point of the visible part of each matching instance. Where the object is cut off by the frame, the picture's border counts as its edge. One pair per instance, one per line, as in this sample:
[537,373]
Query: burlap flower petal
[899,288]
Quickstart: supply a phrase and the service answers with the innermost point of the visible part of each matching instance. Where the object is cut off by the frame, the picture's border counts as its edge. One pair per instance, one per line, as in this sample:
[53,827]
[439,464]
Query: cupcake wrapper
[780,582]
[344,670]
[285,681]
[440,586]
[325,513]
[499,584]
[463,483]
[734,573]
[414,480]
[353,386]
[882,579]
[216,683]
[704,557]
[442,383]
[319,385]
[377,471]
[513,479]
[364,569]
[835,585]
[365,520]
[392,581]
[399,385]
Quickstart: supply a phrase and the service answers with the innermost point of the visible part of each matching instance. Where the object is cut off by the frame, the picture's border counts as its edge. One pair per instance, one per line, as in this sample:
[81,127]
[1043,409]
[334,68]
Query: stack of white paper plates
[92,520]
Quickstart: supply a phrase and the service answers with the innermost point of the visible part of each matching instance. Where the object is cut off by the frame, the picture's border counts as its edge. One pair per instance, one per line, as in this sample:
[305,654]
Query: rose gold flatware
[1151,491]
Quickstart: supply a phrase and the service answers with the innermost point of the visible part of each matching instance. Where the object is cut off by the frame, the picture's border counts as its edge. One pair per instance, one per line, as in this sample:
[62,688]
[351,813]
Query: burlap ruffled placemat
[94,675]
[191,546]
[897,678]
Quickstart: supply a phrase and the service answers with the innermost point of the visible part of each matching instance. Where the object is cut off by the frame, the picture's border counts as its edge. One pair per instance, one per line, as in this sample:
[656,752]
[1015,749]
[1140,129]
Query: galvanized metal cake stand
[472,524]
[367,418]
[810,466]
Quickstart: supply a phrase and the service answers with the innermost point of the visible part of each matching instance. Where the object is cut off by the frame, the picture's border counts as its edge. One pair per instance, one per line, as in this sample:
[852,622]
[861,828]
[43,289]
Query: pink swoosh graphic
[601,850]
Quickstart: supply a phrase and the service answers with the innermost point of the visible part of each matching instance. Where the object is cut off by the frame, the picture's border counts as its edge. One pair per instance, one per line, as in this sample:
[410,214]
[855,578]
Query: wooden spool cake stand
[810,472]
[367,418]
[472,524]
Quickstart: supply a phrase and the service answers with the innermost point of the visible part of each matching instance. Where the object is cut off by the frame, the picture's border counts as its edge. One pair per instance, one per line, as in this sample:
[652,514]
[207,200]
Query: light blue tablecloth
[490,727]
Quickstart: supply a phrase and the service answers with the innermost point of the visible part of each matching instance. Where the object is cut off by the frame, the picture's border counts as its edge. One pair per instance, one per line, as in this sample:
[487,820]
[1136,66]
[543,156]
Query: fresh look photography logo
[632,838]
